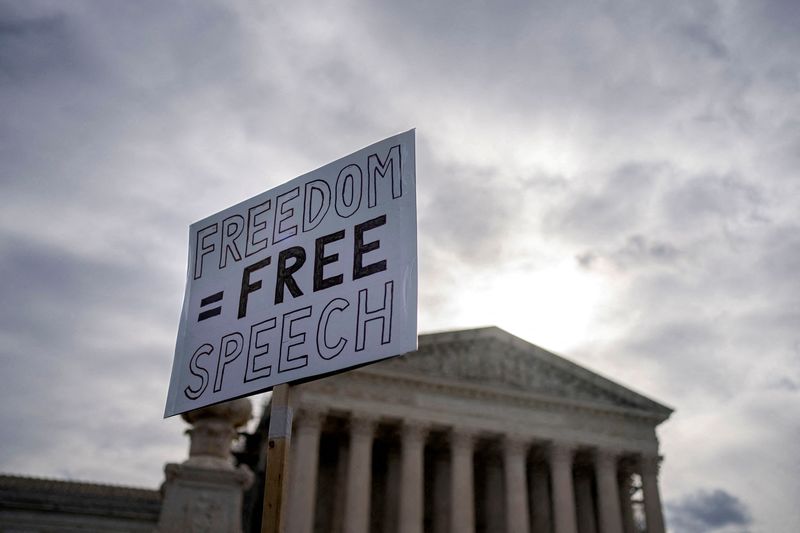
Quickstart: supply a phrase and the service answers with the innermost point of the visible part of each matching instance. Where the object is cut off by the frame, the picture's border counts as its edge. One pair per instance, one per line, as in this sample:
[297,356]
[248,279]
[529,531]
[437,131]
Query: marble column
[608,492]
[625,504]
[515,463]
[540,499]
[462,491]
[359,475]
[563,494]
[412,491]
[652,499]
[585,501]
[303,475]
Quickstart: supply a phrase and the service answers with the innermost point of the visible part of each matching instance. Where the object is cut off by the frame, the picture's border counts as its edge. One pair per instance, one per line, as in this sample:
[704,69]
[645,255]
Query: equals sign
[214,311]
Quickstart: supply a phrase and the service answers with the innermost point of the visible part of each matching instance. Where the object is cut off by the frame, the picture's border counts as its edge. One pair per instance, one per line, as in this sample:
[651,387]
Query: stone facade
[477,431]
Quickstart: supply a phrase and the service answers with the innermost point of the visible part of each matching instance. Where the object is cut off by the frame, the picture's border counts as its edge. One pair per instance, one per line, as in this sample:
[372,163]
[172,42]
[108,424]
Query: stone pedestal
[204,493]
[199,499]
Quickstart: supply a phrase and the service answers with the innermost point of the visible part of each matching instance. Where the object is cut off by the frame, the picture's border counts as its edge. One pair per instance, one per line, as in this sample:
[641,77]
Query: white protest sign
[311,277]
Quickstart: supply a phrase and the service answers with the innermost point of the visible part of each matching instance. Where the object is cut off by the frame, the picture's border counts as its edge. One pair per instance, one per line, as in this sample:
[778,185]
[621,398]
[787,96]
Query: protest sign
[312,277]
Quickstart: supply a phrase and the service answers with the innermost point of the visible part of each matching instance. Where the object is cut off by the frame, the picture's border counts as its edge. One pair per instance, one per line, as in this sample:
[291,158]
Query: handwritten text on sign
[314,276]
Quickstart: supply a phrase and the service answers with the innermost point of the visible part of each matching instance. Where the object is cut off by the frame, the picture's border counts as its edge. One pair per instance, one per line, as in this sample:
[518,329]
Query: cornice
[8,481]
[484,410]
[514,397]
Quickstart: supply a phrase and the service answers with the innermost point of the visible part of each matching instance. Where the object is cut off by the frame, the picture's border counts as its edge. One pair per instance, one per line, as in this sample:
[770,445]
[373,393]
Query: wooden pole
[279,438]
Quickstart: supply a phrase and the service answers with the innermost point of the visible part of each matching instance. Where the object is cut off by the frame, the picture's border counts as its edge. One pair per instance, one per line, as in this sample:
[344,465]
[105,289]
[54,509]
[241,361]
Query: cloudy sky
[616,181]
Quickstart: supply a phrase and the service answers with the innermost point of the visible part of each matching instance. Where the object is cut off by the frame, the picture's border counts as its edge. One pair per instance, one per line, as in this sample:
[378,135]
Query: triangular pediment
[492,356]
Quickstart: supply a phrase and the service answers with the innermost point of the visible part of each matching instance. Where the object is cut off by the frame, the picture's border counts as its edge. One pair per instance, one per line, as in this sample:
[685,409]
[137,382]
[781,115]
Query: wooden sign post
[278,445]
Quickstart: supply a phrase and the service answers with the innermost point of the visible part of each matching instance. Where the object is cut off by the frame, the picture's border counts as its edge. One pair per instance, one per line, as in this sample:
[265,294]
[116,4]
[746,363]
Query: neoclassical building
[478,431]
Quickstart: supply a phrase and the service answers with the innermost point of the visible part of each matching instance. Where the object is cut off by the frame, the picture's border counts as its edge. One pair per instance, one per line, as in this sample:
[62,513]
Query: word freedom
[225,242]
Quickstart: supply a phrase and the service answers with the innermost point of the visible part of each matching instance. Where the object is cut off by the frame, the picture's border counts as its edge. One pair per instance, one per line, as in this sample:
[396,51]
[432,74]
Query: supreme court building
[478,431]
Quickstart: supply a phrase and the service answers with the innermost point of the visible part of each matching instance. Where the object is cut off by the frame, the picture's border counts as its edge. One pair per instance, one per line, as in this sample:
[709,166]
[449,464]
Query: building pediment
[494,357]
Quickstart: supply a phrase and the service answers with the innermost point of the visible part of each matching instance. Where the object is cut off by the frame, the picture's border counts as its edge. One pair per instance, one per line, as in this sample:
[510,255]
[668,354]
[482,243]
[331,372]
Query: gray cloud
[712,199]
[606,205]
[73,326]
[706,511]
[786,384]
[637,250]
[471,213]
[34,46]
